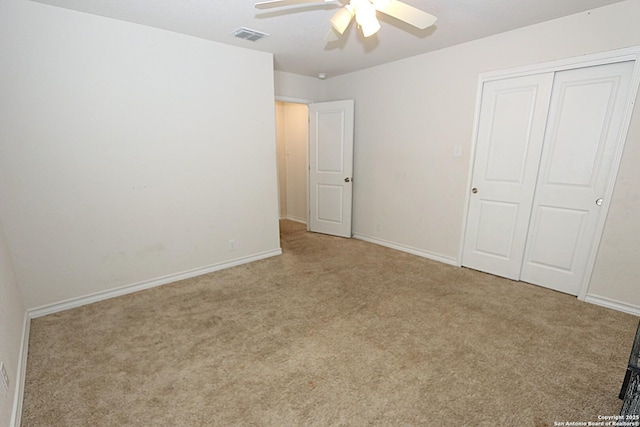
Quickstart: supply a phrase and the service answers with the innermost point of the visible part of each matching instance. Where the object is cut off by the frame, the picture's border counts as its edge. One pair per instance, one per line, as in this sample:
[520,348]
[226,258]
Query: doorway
[292,133]
[315,164]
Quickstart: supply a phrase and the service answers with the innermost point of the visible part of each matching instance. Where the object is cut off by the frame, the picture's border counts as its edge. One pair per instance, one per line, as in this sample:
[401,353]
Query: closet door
[513,115]
[582,136]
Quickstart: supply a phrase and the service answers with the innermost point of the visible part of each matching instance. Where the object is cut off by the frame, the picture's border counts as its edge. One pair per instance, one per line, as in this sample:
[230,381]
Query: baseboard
[135,287]
[408,249]
[294,219]
[21,372]
[613,304]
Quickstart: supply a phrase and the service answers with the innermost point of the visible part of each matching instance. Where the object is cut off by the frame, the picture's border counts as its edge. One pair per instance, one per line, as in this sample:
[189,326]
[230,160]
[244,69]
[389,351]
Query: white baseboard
[613,304]
[135,287]
[21,372]
[408,249]
[294,219]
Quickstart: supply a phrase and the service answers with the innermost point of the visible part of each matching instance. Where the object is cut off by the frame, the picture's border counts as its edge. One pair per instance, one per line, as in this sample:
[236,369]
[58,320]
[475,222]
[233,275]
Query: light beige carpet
[334,332]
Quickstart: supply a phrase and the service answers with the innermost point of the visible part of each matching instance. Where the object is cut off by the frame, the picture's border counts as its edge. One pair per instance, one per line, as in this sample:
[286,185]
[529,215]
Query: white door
[331,167]
[513,115]
[582,136]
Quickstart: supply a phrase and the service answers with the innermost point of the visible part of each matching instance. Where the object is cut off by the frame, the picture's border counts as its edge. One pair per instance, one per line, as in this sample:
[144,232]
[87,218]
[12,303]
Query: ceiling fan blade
[279,3]
[332,36]
[404,12]
[341,19]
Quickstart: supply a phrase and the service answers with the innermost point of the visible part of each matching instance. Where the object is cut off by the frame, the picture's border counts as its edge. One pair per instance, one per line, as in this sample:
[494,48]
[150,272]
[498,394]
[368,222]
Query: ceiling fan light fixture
[364,12]
[366,17]
[370,27]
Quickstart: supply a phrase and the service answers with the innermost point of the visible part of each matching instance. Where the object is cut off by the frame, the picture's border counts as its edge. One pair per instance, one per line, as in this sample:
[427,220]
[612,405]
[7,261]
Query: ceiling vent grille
[249,34]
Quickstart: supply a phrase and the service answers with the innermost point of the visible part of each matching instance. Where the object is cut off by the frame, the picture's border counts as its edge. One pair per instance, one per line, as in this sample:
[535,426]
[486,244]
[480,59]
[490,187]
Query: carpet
[335,332]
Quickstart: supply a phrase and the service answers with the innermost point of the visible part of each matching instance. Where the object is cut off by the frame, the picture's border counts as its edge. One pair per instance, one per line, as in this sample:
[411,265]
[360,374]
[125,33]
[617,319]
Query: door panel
[498,221]
[558,254]
[330,141]
[511,127]
[331,167]
[329,202]
[580,143]
[576,139]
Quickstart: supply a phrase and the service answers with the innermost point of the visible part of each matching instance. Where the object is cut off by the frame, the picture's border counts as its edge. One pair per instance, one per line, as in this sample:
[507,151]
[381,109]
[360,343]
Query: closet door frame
[603,58]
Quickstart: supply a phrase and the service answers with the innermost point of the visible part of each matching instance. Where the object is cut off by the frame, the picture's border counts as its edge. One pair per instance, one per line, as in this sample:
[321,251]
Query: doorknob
[347,179]
[474,190]
[599,202]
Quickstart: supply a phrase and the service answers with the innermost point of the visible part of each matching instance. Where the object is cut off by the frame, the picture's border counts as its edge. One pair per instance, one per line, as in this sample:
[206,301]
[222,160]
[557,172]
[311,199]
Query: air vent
[249,34]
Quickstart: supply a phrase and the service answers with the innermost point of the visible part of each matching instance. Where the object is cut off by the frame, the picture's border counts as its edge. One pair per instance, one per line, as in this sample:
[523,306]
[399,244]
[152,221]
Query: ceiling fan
[364,12]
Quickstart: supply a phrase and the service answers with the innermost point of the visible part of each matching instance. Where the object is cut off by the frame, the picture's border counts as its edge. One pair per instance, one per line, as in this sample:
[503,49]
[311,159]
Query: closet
[546,153]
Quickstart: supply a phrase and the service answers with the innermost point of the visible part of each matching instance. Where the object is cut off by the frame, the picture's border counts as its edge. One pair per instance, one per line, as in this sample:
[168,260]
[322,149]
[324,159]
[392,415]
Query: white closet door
[511,128]
[581,139]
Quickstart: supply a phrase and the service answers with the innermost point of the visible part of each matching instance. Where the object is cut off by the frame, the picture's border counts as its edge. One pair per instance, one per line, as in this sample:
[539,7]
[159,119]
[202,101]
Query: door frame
[346,110]
[308,102]
[602,58]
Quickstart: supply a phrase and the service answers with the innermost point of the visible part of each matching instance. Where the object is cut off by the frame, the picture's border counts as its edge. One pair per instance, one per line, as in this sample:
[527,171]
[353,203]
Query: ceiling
[297,32]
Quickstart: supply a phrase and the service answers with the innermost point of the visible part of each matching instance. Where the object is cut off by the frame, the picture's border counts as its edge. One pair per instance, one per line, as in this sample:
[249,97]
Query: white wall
[293,130]
[12,315]
[410,190]
[129,153]
[289,86]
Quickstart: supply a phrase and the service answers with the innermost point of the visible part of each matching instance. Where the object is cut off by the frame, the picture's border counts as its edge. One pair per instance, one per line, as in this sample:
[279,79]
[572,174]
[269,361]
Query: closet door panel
[552,221]
[509,138]
[581,139]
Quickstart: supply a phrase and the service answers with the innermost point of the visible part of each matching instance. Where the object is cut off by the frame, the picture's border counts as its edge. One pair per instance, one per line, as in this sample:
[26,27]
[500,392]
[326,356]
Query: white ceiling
[297,33]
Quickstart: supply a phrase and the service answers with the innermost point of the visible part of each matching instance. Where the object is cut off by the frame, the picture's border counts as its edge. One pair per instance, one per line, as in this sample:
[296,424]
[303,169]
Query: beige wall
[616,275]
[125,152]
[410,190]
[282,159]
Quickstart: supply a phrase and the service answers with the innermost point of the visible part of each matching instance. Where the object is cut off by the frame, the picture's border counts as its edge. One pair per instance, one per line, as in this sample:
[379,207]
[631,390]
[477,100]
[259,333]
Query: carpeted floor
[335,332]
